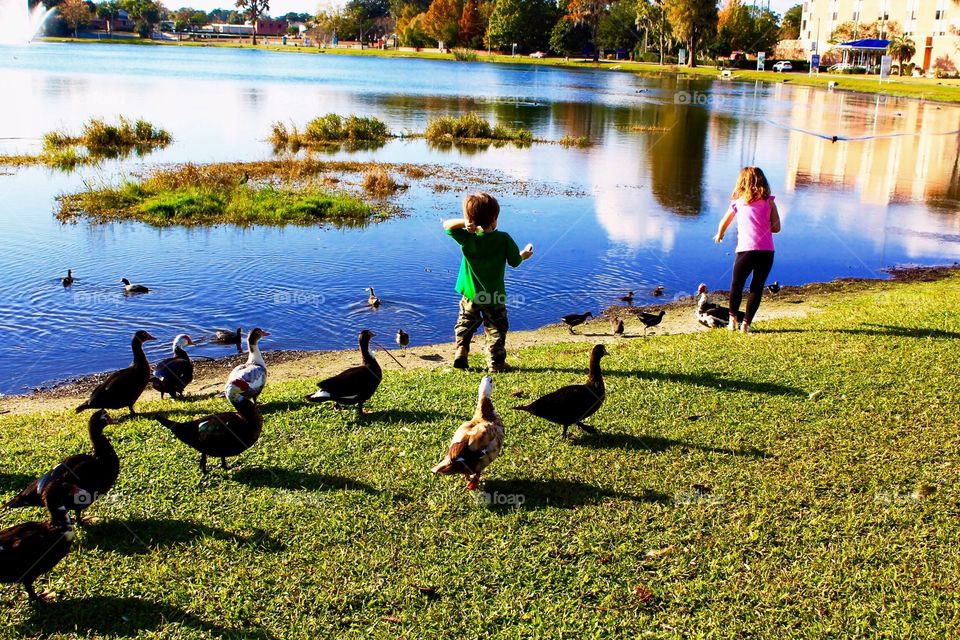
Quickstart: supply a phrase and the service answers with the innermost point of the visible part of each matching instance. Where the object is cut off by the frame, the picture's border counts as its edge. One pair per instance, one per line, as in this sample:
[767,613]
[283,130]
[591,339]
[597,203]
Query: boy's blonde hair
[481,209]
[752,185]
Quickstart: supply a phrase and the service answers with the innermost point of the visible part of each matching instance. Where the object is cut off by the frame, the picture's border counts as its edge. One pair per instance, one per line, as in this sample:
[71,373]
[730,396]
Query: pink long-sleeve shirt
[753,224]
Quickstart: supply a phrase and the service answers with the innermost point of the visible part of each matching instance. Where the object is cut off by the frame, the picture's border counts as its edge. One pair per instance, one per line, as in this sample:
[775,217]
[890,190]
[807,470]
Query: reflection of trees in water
[678,158]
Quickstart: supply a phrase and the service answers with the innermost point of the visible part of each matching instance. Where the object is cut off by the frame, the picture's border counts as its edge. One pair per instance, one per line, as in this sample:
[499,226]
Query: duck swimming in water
[133,288]
[69,279]
[225,336]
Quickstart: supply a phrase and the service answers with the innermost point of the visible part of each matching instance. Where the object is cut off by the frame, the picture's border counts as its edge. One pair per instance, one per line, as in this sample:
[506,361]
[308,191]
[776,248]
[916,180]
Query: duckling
[476,443]
[650,320]
[575,319]
[32,549]
[576,402]
[373,300]
[774,287]
[403,338]
[627,298]
[69,279]
[221,435]
[123,388]
[172,375]
[616,325]
[85,478]
[657,291]
[356,385]
[133,288]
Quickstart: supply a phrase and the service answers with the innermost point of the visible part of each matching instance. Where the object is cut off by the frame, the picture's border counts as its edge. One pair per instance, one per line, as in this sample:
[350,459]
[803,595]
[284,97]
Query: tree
[144,13]
[902,47]
[652,18]
[369,16]
[75,13]
[108,11]
[568,39]
[589,13]
[525,23]
[790,25]
[442,20]
[692,21]
[618,29]
[253,9]
[850,30]
[472,25]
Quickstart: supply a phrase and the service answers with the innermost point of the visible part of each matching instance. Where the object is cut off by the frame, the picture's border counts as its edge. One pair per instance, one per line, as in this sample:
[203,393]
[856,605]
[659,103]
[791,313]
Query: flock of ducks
[32,549]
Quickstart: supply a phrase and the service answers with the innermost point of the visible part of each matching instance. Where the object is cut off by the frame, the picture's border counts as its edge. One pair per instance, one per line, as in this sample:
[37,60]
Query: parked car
[782,66]
[538,54]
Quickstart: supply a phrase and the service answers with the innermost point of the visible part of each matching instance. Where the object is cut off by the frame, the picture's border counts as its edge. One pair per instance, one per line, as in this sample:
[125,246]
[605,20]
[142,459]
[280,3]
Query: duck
[403,338]
[69,279]
[372,299]
[774,287]
[650,320]
[225,336]
[657,291]
[356,385]
[576,402]
[221,435]
[475,443]
[85,478]
[250,377]
[123,388]
[172,375]
[711,315]
[575,319]
[133,288]
[616,325]
[32,549]
[627,298]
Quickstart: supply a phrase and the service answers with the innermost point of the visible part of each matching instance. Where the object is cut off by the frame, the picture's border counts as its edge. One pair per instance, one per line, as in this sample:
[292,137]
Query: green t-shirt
[485,256]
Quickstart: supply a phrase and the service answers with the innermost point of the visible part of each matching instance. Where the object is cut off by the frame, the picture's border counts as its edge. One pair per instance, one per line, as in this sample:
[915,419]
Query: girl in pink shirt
[757,221]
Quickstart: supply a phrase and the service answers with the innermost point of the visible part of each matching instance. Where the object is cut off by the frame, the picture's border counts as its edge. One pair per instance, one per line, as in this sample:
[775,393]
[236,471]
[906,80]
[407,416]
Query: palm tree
[902,47]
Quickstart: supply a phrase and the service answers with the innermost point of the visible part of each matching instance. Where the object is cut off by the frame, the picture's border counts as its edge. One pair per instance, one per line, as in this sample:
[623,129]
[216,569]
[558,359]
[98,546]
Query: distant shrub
[465,55]
[472,126]
[581,142]
[334,128]
[378,182]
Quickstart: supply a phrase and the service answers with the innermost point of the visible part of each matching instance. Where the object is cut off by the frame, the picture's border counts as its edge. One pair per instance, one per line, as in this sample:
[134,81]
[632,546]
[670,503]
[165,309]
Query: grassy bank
[920,88]
[797,482]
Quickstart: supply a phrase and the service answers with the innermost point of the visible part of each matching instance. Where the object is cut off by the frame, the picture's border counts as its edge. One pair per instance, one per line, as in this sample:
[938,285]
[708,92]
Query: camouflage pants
[495,325]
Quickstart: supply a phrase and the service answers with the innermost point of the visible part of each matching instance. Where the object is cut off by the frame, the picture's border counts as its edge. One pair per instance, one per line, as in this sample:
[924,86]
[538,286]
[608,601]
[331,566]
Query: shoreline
[945,91]
[287,365]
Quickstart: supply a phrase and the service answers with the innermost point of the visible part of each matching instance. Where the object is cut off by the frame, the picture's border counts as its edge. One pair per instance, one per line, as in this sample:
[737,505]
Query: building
[933,25]
[267,27]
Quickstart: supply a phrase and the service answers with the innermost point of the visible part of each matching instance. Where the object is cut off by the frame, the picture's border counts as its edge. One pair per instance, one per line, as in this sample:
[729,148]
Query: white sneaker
[732,324]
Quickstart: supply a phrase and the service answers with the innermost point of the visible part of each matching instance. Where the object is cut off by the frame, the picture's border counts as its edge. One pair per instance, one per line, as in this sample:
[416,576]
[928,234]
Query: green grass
[472,127]
[330,129]
[222,194]
[807,523]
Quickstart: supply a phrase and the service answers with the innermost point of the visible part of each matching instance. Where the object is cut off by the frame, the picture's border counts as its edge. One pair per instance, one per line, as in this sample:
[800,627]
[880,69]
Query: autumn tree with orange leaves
[588,13]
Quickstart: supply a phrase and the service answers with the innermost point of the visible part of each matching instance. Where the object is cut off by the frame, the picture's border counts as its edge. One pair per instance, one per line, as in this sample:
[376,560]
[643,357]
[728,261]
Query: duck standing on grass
[574,403]
[650,320]
[476,443]
[172,375]
[356,385]
[221,435]
[32,549]
[123,388]
[575,319]
[250,377]
[83,478]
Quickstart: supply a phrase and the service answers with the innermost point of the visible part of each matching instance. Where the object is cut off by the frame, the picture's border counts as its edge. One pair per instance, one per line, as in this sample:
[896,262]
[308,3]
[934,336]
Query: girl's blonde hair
[752,185]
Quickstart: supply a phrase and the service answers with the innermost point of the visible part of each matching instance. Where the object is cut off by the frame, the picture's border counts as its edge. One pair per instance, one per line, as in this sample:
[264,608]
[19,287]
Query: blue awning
[872,44]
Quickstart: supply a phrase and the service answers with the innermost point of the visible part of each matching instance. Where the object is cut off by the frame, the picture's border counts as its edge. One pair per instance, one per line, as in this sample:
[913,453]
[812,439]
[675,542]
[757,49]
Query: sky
[282,7]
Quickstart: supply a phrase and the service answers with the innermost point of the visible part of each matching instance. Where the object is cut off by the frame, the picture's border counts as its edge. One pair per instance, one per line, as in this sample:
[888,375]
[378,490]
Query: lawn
[798,482]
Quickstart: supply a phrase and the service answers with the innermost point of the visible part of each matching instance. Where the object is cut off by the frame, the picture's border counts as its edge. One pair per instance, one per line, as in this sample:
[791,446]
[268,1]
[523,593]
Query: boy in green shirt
[486,252]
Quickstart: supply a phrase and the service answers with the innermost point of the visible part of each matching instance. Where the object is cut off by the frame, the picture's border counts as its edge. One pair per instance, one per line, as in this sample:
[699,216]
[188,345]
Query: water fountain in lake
[19,23]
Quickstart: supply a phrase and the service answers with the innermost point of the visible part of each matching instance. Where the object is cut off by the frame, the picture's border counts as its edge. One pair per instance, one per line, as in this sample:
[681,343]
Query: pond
[635,210]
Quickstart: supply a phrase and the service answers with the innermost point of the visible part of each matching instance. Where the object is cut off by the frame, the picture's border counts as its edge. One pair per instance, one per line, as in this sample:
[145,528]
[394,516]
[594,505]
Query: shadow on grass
[885,330]
[13,482]
[141,535]
[280,478]
[506,495]
[111,617]
[697,379]
[656,444]
[378,414]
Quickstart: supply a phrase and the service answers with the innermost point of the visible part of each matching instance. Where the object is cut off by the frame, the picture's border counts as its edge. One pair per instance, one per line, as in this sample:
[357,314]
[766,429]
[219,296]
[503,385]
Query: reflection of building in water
[921,167]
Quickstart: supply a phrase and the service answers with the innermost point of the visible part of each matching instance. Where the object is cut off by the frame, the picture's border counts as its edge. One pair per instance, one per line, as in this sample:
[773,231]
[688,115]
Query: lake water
[635,210]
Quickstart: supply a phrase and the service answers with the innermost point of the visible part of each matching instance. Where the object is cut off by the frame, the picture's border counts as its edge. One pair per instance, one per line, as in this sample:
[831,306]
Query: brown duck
[83,478]
[476,443]
[574,403]
[123,388]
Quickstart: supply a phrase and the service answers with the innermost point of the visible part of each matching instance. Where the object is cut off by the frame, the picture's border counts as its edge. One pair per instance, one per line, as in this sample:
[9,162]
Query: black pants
[759,263]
